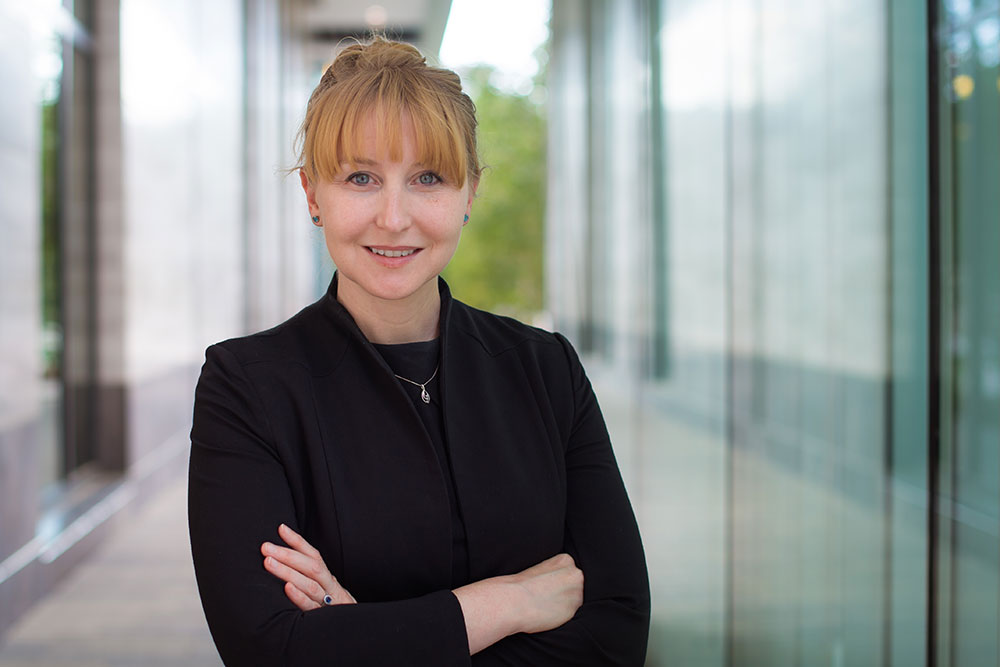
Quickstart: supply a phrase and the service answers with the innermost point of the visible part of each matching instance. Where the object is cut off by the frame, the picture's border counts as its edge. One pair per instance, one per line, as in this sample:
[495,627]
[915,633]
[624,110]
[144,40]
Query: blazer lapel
[509,479]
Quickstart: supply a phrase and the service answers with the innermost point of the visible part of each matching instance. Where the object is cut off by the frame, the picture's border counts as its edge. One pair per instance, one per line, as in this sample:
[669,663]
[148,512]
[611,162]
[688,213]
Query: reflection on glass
[958,10]
[988,41]
[83,11]
[970,136]
[49,68]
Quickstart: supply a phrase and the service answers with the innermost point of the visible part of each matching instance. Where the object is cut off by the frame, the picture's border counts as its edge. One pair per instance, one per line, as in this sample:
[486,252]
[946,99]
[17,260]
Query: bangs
[340,121]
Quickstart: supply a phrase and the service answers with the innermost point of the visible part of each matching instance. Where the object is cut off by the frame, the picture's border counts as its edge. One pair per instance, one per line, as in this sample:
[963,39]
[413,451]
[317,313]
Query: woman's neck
[389,322]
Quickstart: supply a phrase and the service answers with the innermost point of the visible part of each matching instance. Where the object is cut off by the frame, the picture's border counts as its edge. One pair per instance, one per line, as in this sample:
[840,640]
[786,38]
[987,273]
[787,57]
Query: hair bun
[379,54]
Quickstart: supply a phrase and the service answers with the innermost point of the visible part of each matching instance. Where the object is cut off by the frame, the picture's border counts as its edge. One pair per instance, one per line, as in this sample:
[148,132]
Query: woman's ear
[310,191]
[473,186]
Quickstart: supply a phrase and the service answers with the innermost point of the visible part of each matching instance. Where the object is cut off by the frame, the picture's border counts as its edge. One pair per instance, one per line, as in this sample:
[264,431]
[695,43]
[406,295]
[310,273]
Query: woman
[392,477]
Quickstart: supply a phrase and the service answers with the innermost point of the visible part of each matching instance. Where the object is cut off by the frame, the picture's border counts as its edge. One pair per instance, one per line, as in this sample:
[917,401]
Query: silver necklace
[424,396]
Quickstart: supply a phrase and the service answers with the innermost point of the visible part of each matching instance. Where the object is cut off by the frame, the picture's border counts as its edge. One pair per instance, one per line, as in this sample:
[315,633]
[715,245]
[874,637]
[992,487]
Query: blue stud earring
[466,218]
[316,219]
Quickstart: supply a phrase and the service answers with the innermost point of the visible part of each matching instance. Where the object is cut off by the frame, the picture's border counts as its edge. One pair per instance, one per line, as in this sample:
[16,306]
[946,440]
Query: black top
[417,362]
[306,424]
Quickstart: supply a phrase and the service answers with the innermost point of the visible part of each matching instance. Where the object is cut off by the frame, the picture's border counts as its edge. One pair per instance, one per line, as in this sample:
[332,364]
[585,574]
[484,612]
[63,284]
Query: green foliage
[498,266]
[51,259]
[50,212]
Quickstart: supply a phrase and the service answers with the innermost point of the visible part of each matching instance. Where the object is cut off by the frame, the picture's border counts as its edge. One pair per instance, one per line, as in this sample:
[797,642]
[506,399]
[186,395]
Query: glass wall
[968,104]
[771,399]
[685,461]
[809,424]
[63,68]
[909,479]
[811,436]
[50,69]
[139,194]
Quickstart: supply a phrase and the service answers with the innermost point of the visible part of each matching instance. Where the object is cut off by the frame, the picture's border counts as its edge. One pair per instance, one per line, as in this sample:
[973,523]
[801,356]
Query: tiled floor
[134,603]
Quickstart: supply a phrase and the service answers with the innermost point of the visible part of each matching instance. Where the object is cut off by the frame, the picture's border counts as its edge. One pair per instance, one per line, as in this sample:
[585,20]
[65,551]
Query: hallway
[134,603]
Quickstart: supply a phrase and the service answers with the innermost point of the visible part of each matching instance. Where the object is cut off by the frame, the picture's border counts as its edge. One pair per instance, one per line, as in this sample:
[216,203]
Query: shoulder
[509,353]
[499,335]
[310,338]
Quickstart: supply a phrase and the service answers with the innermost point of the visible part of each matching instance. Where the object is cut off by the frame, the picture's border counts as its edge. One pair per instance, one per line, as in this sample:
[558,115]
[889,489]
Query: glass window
[909,482]
[685,460]
[820,426]
[50,70]
[788,412]
[67,253]
[969,132]
[83,11]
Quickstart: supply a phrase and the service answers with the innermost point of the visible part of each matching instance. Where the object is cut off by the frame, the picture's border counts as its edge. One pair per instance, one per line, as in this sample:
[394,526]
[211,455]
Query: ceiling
[421,22]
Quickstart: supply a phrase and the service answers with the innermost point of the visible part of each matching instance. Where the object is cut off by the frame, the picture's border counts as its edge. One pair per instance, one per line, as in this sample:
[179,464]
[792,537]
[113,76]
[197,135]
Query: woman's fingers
[296,586]
[302,567]
[300,599]
[311,567]
[341,595]
[313,589]
[297,542]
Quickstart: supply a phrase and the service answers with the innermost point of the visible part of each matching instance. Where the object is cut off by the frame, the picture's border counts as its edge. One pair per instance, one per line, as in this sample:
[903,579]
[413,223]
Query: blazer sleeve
[612,625]
[238,495]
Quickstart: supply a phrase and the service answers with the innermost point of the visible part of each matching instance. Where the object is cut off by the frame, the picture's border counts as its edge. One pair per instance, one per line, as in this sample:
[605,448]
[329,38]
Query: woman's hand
[554,591]
[540,598]
[308,581]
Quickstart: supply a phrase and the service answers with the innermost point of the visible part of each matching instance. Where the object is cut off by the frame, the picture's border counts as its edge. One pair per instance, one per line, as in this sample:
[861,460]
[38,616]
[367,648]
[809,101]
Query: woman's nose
[393,214]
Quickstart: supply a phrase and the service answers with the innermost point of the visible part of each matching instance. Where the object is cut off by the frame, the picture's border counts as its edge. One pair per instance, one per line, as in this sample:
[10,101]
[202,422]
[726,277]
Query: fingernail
[267,547]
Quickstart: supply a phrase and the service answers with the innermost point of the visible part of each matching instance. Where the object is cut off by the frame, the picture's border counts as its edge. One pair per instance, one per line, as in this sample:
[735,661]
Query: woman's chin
[392,288]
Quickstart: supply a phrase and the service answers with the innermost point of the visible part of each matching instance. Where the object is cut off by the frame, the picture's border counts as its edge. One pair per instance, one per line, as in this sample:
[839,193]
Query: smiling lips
[387,252]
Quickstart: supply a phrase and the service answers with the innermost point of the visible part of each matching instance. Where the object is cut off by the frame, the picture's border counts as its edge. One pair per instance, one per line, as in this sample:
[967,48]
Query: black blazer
[305,424]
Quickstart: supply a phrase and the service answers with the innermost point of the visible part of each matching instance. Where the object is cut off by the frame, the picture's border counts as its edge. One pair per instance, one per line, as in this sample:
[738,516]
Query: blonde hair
[383,80]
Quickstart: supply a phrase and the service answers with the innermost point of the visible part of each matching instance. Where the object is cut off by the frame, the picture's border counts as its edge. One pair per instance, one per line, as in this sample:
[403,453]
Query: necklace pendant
[424,395]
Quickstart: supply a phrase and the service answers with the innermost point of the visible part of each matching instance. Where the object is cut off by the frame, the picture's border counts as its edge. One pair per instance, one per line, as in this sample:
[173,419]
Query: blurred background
[771,227]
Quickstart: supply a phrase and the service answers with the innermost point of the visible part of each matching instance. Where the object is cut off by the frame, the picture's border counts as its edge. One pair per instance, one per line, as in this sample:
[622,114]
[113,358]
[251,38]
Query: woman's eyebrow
[368,162]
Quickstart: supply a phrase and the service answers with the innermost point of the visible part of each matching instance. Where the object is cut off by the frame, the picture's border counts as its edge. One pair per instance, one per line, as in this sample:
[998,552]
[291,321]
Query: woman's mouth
[384,252]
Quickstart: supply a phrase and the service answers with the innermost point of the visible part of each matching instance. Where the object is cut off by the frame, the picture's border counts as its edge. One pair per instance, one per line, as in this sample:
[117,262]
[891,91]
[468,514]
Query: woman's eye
[428,178]
[359,179]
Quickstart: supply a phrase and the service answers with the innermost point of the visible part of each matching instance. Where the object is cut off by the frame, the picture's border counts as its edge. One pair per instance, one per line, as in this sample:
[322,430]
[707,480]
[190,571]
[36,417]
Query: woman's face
[390,227]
